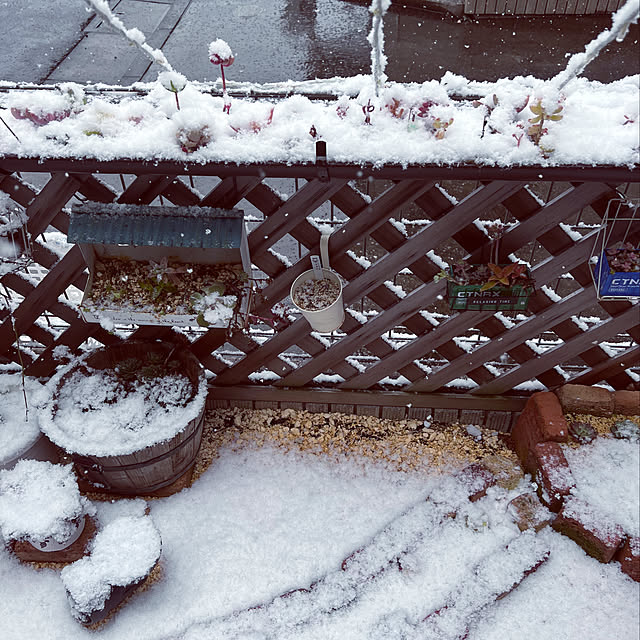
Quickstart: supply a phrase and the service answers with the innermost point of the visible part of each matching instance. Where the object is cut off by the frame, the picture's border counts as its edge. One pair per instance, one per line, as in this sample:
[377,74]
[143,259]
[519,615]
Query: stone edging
[537,436]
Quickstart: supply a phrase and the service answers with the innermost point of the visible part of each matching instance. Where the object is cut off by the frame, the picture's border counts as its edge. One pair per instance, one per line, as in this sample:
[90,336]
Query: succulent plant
[173,365]
[39,118]
[623,256]
[174,82]
[540,116]
[582,432]
[506,275]
[192,139]
[626,430]
[487,276]
[220,54]
[152,371]
[128,369]
[154,357]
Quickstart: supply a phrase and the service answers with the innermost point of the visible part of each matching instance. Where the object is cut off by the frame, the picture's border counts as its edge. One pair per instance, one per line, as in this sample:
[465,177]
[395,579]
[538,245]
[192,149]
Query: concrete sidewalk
[36,35]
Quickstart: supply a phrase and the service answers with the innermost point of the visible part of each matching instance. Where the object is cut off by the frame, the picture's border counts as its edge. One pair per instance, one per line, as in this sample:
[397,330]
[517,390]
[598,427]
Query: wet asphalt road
[275,40]
[305,39]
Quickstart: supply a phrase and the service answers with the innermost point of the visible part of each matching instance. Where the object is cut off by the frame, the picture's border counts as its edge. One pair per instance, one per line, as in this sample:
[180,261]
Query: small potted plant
[488,287]
[491,286]
[317,293]
[161,265]
[41,510]
[618,271]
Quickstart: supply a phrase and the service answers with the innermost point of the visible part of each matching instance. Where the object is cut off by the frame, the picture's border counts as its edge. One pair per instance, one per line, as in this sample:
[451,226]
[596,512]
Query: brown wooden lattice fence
[391,228]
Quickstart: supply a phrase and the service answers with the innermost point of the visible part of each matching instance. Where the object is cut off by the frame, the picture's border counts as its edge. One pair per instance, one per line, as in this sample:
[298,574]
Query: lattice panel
[391,231]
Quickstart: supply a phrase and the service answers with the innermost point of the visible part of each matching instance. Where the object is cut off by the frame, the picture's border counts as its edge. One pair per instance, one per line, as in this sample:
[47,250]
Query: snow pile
[217,309]
[18,429]
[607,479]
[39,501]
[586,123]
[93,413]
[122,553]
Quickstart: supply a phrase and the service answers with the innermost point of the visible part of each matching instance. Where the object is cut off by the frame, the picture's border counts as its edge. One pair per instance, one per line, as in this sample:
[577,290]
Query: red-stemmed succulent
[623,256]
[220,54]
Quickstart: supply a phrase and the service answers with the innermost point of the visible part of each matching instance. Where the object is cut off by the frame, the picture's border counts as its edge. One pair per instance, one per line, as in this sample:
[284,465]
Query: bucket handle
[324,249]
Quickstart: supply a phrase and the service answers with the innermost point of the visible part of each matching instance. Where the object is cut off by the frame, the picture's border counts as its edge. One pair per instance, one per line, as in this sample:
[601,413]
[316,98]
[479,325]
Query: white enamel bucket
[331,317]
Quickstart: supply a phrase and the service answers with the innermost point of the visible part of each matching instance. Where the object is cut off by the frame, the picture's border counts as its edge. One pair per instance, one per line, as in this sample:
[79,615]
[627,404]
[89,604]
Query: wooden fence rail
[392,228]
[541,7]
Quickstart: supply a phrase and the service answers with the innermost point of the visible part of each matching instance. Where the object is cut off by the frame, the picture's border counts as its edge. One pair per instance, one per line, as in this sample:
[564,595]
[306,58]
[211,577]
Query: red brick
[529,513]
[626,403]
[629,557]
[477,478]
[580,398]
[541,420]
[553,475]
[598,536]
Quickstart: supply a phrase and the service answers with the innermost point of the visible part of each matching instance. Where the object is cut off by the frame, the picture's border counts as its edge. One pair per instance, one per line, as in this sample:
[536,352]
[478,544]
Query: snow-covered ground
[261,522]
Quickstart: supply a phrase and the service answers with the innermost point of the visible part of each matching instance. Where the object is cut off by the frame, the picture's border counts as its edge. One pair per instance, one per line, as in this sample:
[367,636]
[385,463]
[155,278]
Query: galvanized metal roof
[202,227]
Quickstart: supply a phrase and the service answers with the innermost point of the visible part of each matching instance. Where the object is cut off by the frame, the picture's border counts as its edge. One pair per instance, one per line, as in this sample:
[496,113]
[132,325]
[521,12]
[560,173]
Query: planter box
[618,284]
[469,297]
[181,235]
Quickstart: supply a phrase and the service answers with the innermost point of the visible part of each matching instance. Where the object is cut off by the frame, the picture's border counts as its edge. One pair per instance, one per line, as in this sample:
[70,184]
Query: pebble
[474,431]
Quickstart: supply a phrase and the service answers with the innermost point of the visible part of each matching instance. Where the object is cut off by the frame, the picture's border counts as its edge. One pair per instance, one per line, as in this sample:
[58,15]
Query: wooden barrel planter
[149,469]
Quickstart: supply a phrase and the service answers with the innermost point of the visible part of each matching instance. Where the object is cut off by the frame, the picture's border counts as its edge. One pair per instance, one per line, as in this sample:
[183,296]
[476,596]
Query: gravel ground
[407,445]
[601,424]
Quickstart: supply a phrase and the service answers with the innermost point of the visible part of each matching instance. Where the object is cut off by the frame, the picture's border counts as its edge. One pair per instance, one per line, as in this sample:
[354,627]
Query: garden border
[537,436]
[493,412]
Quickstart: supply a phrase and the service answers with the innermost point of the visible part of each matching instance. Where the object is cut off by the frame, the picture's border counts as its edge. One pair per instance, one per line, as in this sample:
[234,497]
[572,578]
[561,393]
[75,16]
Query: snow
[85,419]
[606,476]
[218,309]
[134,35]
[19,427]
[621,20]
[220,50]
[530,386]
[148,126]
[123,552]
[39,500]
[261,522]
[172,81]
[376,39]
[263,376]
